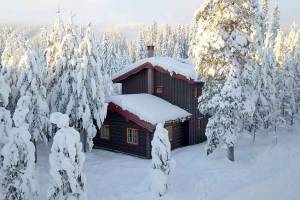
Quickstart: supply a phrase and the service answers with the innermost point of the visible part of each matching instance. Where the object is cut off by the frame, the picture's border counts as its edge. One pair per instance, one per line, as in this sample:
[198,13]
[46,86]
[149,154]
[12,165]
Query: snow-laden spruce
[162,164]
[225,48]
[66,162]
[31,85]
[14,50]
[17,167]
[5,116]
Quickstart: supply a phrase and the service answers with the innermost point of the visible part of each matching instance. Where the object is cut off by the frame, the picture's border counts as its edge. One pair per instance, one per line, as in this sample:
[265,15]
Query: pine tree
[10,59]
[161,161]
[88,89]
[66,162]
[17,168]
[225,46]
[141,51]
[265,19]
[31,84]
[5,118]
[275,27]
[286,88]
[266,90]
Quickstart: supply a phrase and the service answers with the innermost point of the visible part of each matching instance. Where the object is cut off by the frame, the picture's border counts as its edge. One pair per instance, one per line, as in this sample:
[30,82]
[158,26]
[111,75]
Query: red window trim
[109,128]
[138,136]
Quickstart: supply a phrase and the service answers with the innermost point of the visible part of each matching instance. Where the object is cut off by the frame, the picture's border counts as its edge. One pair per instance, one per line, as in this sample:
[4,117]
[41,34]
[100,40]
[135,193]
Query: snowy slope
[263,171]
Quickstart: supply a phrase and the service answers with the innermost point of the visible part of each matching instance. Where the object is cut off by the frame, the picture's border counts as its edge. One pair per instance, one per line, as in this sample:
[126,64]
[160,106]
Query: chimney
[150,50]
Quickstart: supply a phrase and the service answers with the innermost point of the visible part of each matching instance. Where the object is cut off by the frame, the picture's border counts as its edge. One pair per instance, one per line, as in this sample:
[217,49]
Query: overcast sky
[118,12]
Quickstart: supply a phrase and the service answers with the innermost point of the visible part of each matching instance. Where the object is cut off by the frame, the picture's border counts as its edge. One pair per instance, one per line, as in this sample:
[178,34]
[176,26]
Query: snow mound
[169,64]
[61,120]
[149,108]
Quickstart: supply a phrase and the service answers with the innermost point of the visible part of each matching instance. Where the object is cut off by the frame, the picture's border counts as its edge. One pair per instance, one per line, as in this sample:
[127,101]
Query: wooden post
[230,153]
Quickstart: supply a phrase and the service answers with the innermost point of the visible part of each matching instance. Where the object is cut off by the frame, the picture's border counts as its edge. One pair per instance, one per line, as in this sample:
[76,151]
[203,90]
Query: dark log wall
[181,93]
[135,84]
[118,126]
[176,91]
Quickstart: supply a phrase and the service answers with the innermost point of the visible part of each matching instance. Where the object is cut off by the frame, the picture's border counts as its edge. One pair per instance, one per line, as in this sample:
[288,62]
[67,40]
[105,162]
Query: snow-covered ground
[262,171]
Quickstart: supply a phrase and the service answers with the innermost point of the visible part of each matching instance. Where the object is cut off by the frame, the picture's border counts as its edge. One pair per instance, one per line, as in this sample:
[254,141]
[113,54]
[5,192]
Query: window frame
[159,87]
[172,132]
[109,132]
[137,136]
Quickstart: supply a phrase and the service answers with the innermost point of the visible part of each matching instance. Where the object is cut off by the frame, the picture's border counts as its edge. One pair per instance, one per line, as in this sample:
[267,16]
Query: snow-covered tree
[162,163]
[10,58]
[265,13]
[87,96]
[66,162]
[225,47]
[141,51]
[31,84]
[265,105]
[279,49]
[286,88]
[5,118]
[17,168]
[275,27]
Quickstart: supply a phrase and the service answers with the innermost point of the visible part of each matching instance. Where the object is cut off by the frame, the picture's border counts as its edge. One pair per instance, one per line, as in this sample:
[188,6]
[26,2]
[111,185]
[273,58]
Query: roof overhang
[148,65]
[132,117]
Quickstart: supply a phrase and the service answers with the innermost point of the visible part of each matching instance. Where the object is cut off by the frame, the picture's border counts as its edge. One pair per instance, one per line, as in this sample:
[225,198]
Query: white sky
[118,12]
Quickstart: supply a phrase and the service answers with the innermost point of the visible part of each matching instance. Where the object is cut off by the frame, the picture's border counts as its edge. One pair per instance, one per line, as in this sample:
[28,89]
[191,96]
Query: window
[132,136]
[170,132]
[200,123]
[159,89]
[105,132]
[197,92]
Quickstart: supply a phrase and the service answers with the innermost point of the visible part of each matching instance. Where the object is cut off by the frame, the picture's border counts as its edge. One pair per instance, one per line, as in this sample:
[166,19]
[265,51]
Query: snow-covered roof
[171,65]
[149,108]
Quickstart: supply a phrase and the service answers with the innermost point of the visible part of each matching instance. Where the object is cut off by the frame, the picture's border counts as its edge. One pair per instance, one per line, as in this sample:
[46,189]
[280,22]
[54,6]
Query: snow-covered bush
[66,162]
[162,163]
[17,167]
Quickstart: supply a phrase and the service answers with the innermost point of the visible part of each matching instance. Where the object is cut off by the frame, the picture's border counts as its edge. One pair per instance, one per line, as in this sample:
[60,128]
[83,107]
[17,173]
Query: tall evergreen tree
[224,53]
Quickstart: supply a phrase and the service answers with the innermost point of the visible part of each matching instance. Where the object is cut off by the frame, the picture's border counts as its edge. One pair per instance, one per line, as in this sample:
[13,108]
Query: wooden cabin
[154,90]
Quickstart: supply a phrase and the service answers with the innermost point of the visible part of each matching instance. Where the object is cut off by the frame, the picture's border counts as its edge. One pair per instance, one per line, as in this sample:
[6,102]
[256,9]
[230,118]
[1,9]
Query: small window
[132,136]
[170,132]
[197,92]
[105,132]
[200,123]
[159,90]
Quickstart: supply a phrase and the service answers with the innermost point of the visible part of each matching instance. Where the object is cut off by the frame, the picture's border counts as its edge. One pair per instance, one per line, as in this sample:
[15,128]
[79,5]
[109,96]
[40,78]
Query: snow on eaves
[171,65]
[149,108]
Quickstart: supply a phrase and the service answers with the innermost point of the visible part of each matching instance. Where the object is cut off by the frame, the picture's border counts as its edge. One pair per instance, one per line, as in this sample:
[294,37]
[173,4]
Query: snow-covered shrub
[162,163]
[17,167]
[66,162]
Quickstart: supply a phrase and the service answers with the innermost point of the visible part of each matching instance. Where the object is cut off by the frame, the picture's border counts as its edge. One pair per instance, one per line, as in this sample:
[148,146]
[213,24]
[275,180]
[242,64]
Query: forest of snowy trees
[250,66]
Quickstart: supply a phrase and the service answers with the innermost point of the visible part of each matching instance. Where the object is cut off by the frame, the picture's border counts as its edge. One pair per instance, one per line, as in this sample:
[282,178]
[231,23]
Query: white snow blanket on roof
[149,108]
[169,64]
